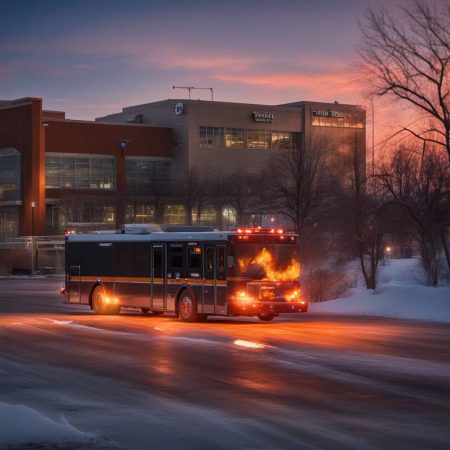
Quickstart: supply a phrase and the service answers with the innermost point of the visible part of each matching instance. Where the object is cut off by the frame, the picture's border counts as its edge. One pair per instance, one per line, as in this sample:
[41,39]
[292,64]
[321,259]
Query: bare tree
[298,186]
[408,57]
[194,194]
[365,211]
[241,195]
[419,183]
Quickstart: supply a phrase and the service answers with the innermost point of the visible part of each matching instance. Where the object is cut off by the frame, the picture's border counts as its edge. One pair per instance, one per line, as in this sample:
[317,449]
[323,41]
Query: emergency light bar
[254,230]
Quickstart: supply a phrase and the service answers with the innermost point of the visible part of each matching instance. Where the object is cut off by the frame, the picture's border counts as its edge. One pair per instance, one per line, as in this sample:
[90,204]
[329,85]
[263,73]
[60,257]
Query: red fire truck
[190,271]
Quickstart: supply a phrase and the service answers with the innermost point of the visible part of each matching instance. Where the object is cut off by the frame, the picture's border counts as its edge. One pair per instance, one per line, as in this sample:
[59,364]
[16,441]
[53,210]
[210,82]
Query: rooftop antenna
[186,88]
[190,88]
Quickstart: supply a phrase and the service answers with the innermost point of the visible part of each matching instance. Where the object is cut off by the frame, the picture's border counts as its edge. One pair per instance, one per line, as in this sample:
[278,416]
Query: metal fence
[32,255]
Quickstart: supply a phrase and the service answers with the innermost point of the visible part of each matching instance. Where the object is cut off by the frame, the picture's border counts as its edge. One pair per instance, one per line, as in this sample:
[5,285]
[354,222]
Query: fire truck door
[209,285]
[221,279]
[214,287]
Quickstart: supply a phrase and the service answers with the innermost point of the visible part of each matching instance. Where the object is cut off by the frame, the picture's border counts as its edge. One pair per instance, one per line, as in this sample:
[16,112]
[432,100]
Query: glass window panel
[10,177]
[234,137]
[144,176]
[76,172]
[174,214]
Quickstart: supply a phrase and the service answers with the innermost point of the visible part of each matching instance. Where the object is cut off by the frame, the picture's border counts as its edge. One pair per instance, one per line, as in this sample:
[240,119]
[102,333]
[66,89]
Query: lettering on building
[328,113]
[262,117]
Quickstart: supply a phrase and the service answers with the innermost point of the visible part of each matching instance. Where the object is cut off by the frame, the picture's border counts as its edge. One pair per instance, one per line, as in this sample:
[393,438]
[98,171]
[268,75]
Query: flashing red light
[62,291]
[259,229]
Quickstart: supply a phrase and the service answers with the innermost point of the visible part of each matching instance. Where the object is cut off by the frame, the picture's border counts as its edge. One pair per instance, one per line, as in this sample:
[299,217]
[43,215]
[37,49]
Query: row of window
[175,214]
[99,172]
[347,121]
[104,212]
[220,137]
[80,172]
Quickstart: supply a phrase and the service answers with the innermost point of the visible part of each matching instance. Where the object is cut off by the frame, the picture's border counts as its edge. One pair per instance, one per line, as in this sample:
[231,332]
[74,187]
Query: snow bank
[399,294]
[20,425]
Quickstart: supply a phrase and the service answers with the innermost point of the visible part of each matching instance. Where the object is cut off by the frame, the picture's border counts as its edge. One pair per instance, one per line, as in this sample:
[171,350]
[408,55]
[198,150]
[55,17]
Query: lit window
[140,213]
[207,217]
[229,217]
[79,172]
[234,137]
[174,214]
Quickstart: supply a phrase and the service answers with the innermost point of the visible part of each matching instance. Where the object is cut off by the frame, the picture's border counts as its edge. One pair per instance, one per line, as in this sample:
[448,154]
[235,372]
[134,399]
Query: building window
[281,140]
[9,175]
[234,137]
[211,137]
[216,137]
[79,172]
[207,217]
[144,176]
[81,211]
[140,213]
[348,121]
[174,214]
[54,218]
[9,223]
[229,217]
[259,139]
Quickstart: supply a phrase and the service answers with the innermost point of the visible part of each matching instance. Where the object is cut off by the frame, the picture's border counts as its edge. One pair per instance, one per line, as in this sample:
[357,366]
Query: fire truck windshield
[269,262]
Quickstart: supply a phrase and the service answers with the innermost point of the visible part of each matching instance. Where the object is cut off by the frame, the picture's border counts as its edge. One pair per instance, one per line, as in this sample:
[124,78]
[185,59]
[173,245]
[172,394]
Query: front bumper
[266,308]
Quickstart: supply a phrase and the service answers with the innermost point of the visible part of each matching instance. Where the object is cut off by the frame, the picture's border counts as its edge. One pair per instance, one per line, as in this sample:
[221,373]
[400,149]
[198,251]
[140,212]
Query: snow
[400,294]
[22,425]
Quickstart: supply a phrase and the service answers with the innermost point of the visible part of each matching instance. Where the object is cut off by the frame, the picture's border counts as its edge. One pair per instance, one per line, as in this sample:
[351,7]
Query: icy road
[300,382]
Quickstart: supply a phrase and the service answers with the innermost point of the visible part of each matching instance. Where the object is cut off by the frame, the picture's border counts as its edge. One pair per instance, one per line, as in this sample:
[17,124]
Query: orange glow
[248,344]
[265,259]
[293,296]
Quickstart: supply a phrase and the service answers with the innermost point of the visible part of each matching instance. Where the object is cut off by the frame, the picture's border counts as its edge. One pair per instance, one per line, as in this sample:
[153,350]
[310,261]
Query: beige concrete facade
[296,118]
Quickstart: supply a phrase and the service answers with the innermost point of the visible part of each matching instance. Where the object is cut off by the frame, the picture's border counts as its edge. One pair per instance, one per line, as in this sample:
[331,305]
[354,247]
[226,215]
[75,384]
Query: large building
[57,173]
[214,136]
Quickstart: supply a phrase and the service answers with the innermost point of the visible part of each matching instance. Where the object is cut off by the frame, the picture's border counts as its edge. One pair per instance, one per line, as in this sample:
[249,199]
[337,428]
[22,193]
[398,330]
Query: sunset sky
[90,58]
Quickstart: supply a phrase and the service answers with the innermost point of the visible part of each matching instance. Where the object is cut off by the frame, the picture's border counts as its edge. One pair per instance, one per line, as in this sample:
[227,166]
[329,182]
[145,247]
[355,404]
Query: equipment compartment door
[158,278]
[73,282]
[209,280]
[221,279]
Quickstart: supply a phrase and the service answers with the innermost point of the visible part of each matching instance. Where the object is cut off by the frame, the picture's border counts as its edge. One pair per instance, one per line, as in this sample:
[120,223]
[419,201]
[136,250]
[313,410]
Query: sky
[91,58]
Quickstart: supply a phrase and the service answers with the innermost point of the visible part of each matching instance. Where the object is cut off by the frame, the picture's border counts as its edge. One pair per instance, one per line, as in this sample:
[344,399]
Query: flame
[265,259]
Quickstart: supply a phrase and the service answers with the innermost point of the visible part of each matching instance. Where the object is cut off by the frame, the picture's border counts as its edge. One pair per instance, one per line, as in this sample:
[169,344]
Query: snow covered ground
[400,294]
[23,427]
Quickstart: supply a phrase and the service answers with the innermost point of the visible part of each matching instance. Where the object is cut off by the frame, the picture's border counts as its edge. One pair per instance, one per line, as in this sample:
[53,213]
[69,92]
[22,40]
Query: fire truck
[193,272]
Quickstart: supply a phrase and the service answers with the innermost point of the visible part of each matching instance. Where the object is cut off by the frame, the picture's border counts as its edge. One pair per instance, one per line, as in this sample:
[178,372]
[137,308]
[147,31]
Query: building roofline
[290,106]
[5,104]
[96,122]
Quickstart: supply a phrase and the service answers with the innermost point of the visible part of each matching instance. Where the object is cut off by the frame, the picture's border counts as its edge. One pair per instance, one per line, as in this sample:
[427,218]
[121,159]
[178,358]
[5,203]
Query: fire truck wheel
[187,307]
[266,317]
[99,302]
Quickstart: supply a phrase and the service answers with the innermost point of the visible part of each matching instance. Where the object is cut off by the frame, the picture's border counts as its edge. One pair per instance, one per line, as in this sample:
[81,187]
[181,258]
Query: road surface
[300,382]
